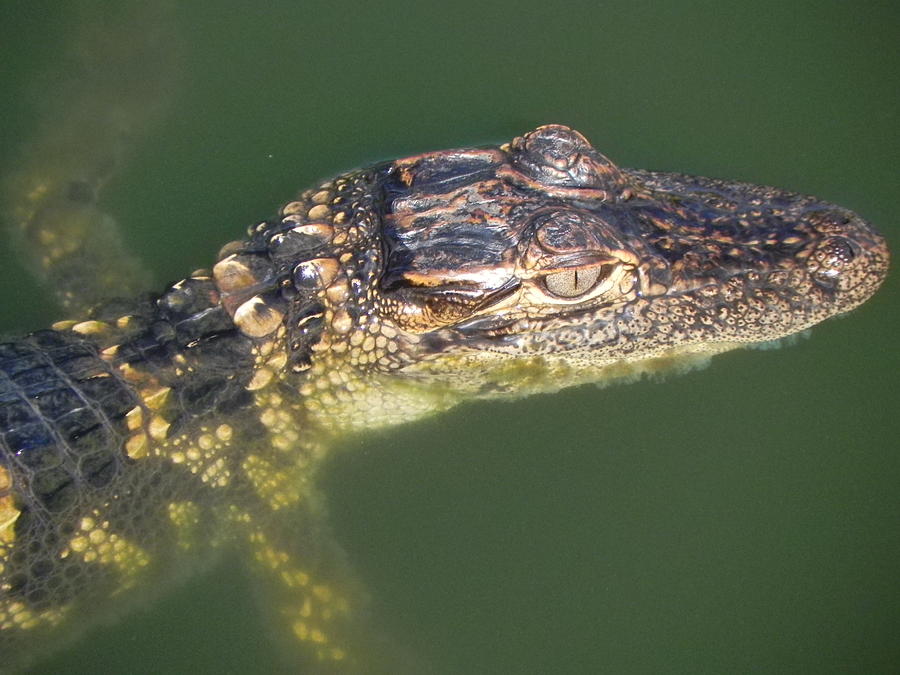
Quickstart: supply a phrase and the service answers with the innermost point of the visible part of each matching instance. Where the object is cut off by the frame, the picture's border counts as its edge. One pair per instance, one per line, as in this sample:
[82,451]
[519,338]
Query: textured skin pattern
[132,447]
[70,417]
[158,430]
[62,411]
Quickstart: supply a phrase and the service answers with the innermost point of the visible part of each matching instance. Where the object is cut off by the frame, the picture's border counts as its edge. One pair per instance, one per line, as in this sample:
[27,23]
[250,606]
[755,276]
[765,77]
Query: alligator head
[532,266]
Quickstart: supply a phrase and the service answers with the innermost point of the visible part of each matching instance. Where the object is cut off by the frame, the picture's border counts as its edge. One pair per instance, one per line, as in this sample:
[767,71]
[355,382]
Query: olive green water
[739,519]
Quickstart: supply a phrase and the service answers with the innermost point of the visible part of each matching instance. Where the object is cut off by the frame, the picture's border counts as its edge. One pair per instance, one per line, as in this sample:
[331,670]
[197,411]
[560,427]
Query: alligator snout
[832,258]
[851,257]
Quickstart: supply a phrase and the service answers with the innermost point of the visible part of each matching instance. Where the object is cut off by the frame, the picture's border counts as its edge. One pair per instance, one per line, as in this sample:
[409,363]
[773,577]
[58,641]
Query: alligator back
[63,411]
[94,492]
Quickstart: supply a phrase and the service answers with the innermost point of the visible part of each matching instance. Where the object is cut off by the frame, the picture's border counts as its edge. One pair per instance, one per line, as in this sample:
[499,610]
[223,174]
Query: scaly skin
[156,431]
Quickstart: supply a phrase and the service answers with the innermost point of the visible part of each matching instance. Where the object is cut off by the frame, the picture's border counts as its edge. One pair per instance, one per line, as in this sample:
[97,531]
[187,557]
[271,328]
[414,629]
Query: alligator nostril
[831,258]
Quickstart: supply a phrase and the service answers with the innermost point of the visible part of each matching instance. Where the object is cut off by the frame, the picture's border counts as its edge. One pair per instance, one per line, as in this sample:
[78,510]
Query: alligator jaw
[602,268]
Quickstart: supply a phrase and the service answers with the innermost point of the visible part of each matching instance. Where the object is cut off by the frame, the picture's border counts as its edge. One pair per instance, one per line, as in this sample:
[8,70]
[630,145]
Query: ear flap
[423,308]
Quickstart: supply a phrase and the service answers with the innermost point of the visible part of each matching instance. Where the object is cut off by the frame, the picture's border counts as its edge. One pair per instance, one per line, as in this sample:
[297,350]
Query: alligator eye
[572,282]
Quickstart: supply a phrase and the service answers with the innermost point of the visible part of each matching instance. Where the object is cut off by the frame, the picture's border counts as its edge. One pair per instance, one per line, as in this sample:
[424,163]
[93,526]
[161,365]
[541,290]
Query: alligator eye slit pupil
[567,283]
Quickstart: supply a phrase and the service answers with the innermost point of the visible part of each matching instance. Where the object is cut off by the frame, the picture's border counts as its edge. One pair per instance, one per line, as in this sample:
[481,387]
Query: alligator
[160,429]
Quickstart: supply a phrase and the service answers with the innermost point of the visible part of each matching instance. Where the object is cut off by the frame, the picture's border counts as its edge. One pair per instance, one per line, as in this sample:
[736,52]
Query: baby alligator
[154,431]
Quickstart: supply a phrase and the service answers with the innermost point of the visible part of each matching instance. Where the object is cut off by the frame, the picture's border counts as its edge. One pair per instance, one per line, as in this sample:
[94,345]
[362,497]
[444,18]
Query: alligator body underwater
[151,431]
